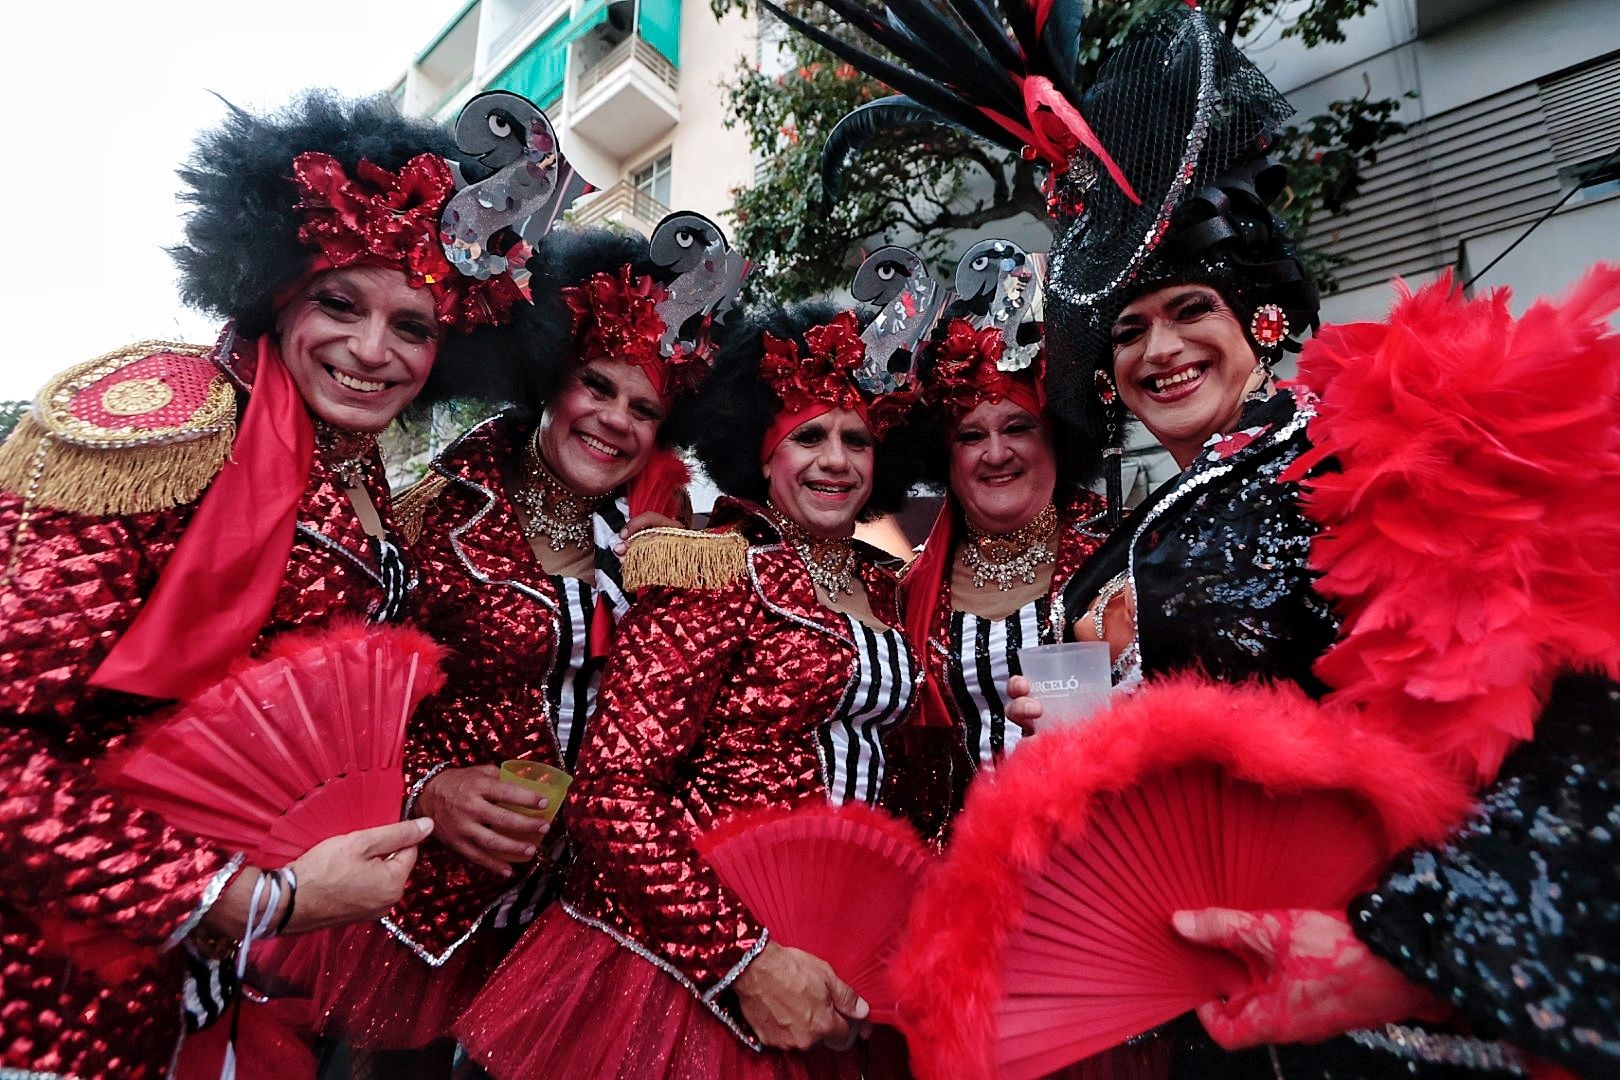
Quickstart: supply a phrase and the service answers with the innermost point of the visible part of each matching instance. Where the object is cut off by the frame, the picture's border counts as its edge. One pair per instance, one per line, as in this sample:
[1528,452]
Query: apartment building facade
[633,88]
[1512,105]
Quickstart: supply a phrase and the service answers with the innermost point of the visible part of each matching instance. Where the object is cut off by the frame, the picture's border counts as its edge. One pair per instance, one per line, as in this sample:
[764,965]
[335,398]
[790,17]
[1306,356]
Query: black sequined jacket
[1516,920]
[1217,558]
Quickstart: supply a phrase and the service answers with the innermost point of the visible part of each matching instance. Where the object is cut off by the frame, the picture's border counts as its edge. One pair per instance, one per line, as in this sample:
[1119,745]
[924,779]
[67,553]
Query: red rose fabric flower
[616,316]
[824,374]
[965,374]
[377,215]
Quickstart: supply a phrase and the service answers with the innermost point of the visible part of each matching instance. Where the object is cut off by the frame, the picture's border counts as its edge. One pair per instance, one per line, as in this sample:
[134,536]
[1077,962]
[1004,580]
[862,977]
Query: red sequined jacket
[67,848]
[482,594]
[709,706]
[939,765]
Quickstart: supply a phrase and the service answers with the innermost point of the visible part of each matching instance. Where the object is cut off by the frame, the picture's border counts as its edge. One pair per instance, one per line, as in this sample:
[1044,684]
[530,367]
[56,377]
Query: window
[653,180]
[1583,117]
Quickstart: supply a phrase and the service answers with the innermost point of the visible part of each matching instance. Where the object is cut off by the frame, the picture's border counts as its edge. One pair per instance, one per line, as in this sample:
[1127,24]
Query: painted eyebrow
[1137,318]
[1192,294]
[337,279]
[342,279]
[420,314]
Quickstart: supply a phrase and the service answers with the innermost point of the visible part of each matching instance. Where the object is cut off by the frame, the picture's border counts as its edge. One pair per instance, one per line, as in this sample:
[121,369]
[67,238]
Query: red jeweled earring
[1268,326]
[1107,393]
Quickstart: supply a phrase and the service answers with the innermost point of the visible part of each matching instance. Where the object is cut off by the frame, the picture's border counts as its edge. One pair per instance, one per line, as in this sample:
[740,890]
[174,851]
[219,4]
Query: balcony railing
[623,204]
[629,50]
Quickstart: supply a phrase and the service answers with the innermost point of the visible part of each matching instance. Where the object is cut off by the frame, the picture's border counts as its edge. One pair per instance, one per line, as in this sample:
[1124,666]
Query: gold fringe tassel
[684,559]
[126,480]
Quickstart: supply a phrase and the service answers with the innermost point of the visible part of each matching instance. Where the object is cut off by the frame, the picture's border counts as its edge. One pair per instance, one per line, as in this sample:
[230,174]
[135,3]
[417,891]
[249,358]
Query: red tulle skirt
[570,1001]
[370,989]
[272,1043]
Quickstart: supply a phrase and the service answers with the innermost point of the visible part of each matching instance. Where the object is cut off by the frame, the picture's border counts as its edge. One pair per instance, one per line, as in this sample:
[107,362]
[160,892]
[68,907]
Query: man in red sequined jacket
[164,511]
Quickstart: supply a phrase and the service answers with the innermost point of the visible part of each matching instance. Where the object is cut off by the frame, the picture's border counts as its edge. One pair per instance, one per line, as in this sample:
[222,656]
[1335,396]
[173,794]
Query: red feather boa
[1470,533]
[1016,814]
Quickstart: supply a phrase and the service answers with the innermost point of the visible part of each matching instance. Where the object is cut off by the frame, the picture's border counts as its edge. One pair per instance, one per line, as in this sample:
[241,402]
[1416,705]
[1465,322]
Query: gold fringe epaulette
[144,428]
[411,505]
[684,559]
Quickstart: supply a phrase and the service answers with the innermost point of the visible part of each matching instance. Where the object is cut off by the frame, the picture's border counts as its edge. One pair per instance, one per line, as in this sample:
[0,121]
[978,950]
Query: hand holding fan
[288,750]
[1095,960]
[304,744]
[835,881]
[1045,937]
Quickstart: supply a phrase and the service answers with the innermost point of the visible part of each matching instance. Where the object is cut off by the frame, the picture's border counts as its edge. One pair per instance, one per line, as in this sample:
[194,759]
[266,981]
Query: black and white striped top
[571,683]
[851,743]
[571,691]
[606,524]
[983,656]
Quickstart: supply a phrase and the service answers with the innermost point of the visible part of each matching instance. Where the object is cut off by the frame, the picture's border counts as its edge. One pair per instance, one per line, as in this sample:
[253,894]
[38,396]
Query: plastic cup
[540,778]
[1071,680]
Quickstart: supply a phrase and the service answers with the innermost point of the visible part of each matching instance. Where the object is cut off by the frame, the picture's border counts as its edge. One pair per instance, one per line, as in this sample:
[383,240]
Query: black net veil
[1189,121]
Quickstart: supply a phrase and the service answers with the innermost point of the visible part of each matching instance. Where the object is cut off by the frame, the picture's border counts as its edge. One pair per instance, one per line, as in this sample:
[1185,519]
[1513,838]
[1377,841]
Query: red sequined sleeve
[67,847]
[635,816]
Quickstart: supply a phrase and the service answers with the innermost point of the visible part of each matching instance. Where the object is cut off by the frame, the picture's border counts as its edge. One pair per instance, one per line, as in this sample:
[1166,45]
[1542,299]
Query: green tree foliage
[10,413]
[925,182]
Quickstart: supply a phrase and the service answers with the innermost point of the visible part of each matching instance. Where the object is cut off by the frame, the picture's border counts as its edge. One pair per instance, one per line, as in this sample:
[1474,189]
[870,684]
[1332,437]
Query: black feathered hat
[1158,169]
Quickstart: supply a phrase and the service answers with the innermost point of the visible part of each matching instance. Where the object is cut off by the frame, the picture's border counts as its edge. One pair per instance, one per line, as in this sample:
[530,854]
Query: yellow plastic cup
[540,778]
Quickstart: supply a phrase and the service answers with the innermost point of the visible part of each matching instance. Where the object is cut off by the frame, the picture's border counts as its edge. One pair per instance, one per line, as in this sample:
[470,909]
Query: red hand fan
[1044,935]
[837,882]
[1094,960]
[288,750]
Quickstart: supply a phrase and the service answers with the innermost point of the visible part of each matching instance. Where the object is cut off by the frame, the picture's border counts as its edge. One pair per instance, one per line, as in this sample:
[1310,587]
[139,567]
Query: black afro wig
[733,409]
[241,245]
[1077,449]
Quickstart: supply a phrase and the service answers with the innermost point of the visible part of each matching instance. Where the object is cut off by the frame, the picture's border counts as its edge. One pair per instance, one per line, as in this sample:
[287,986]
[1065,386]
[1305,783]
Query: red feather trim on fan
[289,749]
[1040,799]
[835,881]
[1469,529]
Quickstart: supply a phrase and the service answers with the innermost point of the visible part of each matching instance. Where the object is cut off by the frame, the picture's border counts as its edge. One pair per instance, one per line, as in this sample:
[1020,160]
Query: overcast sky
[103,100]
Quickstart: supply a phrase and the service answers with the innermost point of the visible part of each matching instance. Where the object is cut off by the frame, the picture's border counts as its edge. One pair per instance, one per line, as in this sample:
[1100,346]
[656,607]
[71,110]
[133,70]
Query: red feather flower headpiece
[380,216]
[822,378]
[616,316]
[965,374]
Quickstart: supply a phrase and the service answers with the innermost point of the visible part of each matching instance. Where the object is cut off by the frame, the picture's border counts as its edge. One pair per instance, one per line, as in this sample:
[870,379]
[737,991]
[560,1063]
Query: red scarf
[219,587]
[920,593]
[660,488]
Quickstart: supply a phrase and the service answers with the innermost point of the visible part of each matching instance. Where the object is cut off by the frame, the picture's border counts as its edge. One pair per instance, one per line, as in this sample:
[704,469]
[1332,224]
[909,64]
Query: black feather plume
[851,134]
[924,89]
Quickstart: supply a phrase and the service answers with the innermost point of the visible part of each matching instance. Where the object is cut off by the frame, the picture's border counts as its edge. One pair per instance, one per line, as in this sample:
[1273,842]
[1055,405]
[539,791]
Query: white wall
[707,159]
